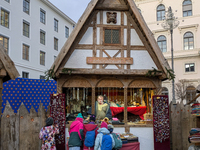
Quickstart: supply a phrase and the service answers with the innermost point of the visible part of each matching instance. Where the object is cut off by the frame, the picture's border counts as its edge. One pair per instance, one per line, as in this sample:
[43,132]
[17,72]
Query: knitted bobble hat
[49,121]
[104,125]
[79,116]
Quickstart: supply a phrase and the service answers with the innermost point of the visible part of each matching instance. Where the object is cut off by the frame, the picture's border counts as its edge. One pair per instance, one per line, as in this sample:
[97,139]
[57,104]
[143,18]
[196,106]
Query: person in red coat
[89,127]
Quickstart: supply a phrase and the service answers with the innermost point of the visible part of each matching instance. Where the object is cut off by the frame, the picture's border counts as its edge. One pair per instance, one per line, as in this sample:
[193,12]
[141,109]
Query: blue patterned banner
[31,92]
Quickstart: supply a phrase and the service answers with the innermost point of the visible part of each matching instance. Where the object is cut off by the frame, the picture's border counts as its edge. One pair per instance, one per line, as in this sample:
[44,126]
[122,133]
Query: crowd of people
[82,136]
[89,136]
[85,136]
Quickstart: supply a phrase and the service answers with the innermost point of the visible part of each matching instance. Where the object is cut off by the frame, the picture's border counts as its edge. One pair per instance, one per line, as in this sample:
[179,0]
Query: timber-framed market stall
[112,52]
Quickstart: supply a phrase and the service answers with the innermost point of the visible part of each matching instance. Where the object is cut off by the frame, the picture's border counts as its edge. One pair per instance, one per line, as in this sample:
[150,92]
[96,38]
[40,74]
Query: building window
[164,91]
[4,42]
[54,58]
[112,36]
[42,77]
[7,1]
[26,6]
[25,52]
[42,16]
[4,18]
[187,8]
[26,28]
[190,93]
[55,25]
[25,75]
[188,41]
[42,37]
[55,43]
[160,12]
[42,58]
[162,43]
[190,67]
[66,32]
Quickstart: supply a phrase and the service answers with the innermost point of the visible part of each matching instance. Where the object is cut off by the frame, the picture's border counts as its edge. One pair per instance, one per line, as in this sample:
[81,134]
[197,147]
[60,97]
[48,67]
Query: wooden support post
[93,100]
[125,110]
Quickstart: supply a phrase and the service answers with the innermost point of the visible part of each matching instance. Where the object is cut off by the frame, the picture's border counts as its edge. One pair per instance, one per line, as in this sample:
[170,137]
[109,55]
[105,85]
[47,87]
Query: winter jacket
[98,140]
[76,133]
[47,135]
[108,111]
[89,127]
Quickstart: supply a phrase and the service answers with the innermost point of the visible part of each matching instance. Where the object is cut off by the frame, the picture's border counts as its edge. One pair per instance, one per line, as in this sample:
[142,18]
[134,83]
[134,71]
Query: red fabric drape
[131,146]
[134,110]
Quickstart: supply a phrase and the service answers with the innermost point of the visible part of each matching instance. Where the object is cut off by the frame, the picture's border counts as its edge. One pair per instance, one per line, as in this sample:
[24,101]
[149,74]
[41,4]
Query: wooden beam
[101,37]
[109,61]
[125,106]
[111,71]
[122,36]
[94,39]
[3,73]
[107,47]
[112,7]
[128,41]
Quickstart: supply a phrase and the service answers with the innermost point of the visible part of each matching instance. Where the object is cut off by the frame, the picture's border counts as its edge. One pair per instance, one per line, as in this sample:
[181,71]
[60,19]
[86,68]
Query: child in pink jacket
[76,133]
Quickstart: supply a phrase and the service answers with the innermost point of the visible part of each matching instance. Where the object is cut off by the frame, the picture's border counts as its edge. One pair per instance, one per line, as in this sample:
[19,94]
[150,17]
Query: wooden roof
[137,21]
[7,67]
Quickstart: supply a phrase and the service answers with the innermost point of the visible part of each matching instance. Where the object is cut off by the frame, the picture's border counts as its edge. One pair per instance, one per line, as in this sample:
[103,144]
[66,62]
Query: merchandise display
[194,136]
[57,112]
[161,122]
[196,109]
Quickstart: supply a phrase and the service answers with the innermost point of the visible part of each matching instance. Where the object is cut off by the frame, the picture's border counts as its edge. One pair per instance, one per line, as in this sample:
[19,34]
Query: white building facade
[32,33]
[185,39]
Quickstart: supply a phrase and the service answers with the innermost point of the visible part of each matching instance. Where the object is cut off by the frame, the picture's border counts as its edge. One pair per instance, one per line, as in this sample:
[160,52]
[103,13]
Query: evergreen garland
[50,74]
[153,72]
[170,73]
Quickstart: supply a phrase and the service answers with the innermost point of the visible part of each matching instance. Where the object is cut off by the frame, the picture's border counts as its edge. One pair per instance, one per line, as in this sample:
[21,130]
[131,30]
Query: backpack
[118,141]
[90,138]
[106,143]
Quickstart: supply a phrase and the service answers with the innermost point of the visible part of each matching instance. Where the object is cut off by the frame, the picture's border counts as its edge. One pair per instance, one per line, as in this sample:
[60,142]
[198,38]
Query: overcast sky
[72,8]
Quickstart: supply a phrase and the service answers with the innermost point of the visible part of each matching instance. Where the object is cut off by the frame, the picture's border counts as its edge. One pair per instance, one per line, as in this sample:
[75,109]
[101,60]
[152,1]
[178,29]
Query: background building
[33,33]
[185,37]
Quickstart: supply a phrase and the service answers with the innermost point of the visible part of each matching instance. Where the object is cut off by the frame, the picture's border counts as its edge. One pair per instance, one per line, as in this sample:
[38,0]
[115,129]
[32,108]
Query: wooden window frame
[4,20]
[26,28]
[189,67]
[42,16]
[55,25]
[26,74]
[111,28]
[42,58]
[26,6]
[25,52]
[66,32]
[4,43]
[55,44]
[42,37]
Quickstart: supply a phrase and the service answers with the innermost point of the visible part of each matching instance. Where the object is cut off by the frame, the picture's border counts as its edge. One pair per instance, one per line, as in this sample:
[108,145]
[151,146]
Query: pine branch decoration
[170,74]
[50,74]
[153,72]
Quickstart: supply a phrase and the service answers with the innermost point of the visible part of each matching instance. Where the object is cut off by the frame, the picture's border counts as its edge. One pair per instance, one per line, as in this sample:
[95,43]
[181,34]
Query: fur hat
[104,125]
[49,121]
[110,126]
[79,116]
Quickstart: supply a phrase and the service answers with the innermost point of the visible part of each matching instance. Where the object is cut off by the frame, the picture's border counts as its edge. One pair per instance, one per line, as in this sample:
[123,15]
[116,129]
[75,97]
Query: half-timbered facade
[110,52]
